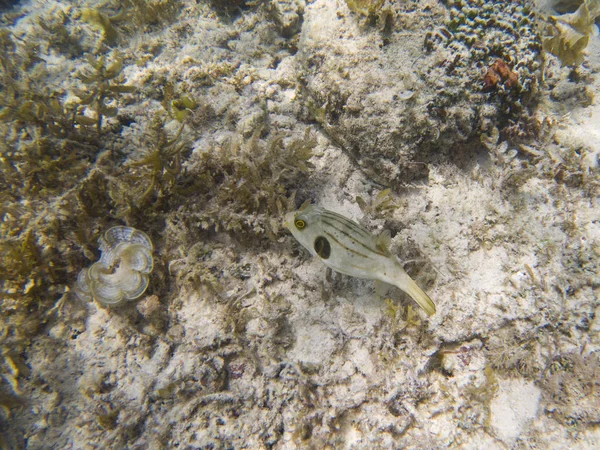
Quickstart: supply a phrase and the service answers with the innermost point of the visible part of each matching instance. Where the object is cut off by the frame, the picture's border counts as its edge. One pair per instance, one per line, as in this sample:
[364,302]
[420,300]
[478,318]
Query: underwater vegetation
[231,8]
[572,388]
[566,36]
[153,172]
[123,270]
[365,7]
[380,206]
[102,91]
[103,22]
[127,16]
[76,161]
[246,185]
[55,173]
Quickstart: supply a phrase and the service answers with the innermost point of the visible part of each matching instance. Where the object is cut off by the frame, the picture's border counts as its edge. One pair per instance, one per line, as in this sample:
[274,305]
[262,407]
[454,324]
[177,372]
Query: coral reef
[123,269]
[391,106]
[243,110]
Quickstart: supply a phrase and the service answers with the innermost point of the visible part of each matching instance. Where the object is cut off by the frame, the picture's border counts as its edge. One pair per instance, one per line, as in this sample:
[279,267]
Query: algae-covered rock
[243,110]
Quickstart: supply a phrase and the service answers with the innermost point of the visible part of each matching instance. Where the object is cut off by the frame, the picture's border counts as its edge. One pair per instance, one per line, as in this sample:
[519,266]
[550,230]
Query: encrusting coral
[123,269]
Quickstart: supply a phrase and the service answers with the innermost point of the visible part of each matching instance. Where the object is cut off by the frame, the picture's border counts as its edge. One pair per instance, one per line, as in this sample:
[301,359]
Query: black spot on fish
[322,247]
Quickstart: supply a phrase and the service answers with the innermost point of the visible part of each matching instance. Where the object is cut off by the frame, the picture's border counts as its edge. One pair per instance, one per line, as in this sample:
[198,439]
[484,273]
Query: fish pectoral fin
[383,241]
[382,288]
[305,205]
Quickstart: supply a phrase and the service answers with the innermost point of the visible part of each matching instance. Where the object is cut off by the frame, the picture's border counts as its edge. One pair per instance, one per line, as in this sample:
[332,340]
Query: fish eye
[322,247]
[300,224]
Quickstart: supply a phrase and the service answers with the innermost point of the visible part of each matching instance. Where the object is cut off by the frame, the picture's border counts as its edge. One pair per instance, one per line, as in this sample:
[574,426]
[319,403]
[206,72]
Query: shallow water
[468,129]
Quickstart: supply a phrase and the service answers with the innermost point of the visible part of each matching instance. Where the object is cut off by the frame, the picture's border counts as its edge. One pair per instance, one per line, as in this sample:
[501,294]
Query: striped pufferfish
[350,249]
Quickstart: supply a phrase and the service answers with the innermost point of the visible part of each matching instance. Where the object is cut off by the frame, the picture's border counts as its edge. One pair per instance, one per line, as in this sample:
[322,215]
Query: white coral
[123,270]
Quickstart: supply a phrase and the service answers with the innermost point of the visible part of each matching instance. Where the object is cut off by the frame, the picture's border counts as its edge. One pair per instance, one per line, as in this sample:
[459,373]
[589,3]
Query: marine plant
[150,12]
[153,171]
[228,8]
[25,100]
[122,273]
[59,35]
[572,388]
[566,36]
[248,184]
[380,205]
[103,89]
[130,15]
[365,7]
[178,106]
[103,22]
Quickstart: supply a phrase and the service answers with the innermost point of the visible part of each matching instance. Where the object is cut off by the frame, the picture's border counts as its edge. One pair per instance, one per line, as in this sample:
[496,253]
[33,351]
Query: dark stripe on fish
[349,223]
[342,245]
[355,239]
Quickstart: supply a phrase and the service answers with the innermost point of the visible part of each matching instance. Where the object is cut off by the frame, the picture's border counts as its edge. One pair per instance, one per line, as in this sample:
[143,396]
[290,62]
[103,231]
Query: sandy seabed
[242,339]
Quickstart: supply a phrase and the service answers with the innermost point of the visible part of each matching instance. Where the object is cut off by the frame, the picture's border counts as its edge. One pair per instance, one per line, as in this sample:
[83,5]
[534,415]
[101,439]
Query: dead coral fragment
[499,72]
[123,269]
[567,36]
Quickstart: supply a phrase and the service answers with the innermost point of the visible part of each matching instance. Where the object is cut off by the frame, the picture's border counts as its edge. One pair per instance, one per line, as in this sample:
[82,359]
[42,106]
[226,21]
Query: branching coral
[123,269]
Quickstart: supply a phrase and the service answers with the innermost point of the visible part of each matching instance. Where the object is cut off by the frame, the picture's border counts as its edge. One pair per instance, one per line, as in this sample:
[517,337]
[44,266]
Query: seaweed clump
[103,89]
[572,389]
[247,185]
[567,35]
[365,7]
[131,15]
[50,158]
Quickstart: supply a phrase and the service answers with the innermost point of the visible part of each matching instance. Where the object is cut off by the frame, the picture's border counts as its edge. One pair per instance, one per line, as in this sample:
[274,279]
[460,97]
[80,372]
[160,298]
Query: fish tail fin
[408,285]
